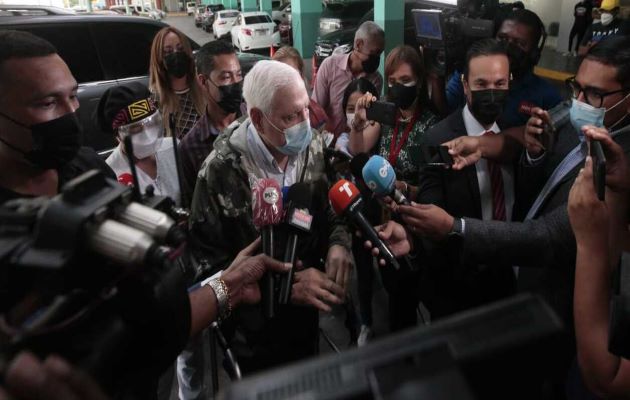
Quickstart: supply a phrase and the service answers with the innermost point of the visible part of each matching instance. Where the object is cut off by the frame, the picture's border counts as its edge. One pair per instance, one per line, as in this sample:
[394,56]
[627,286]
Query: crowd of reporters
[514,210]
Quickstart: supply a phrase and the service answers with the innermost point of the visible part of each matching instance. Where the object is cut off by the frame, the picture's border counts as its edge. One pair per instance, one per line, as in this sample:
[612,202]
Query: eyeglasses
[594,97]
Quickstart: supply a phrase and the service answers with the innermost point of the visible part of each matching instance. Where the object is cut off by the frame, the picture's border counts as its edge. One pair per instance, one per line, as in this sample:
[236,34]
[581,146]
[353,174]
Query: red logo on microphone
[342,195]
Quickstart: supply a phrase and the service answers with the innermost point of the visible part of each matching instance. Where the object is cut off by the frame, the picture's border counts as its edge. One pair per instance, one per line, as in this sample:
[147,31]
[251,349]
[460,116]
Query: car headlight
[343,49]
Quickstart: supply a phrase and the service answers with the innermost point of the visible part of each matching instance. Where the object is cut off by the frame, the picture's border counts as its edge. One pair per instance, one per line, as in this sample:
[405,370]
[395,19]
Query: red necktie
[498,194]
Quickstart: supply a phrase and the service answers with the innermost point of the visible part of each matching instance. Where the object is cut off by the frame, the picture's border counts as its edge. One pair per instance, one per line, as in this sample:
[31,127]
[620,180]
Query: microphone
[380,177]
[299,219]
[125,179]
[267,212]
[356,165]
[345,199]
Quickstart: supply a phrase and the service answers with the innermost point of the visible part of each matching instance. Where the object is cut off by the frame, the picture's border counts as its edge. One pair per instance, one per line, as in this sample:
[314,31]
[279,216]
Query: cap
[609,5]
[124,104]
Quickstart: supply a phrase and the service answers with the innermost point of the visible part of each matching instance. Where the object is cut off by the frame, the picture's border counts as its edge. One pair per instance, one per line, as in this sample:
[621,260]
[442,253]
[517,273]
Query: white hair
[369,30]
[264,80]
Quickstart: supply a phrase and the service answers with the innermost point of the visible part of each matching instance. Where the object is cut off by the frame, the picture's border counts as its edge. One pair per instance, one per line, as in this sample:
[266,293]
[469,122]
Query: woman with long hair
[172,80]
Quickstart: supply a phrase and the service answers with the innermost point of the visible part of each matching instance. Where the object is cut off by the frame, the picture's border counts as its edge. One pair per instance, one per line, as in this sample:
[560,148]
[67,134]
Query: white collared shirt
[474,128]
[266,163]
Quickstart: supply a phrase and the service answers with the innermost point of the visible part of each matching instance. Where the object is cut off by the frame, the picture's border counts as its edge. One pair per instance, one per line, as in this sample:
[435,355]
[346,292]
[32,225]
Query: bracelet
[224,305]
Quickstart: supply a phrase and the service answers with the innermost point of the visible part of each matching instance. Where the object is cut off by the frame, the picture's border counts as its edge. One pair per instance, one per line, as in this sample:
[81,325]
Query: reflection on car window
[76,48]
[125,49]
[257,19]
[229,14]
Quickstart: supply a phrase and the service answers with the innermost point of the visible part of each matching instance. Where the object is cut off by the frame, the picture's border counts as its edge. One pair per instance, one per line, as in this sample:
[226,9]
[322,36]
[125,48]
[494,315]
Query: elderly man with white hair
[338,70]
[274,142]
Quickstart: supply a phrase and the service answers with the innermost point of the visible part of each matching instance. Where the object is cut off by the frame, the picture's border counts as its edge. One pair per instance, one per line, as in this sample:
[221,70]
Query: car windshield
[231,14]
[257,19]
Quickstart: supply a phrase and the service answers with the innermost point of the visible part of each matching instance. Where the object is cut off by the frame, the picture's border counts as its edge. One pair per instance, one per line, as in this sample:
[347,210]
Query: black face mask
[231,97]
[55,142]
[521,62]
[177,64]
[403,96]
[487,105]
[371,64]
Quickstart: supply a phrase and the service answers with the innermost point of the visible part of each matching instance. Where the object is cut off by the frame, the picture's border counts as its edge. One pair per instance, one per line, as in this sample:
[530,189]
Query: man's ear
[201,80]
[256,117]
[358,43]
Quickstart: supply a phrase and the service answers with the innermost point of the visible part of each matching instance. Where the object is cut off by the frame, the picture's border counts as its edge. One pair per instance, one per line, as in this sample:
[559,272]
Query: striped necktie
[498,192]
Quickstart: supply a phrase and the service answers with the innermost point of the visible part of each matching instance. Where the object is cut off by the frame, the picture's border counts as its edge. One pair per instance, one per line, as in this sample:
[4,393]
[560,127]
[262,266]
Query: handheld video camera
[88,274]
[446,28]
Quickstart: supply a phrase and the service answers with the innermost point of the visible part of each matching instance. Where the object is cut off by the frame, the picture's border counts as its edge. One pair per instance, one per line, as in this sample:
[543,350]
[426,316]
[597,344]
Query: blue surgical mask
[585,114]
[298,137]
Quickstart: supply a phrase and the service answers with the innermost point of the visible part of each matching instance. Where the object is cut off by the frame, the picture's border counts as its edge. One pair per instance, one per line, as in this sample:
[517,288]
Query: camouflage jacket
[221,217]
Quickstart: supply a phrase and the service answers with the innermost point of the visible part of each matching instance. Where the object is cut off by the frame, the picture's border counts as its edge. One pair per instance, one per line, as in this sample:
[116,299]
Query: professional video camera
[95,277]
[446,28]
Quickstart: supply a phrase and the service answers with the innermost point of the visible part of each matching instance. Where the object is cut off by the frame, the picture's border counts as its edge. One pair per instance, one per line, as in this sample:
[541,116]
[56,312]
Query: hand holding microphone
[267,212]
[346,200]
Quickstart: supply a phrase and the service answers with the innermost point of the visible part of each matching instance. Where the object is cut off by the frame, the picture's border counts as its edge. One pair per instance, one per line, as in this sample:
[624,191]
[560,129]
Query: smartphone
[436,156]
[383,112]
[599,169]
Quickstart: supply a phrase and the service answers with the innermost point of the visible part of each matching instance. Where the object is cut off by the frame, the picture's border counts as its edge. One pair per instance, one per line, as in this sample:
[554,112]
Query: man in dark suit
[543,245]
[484,191]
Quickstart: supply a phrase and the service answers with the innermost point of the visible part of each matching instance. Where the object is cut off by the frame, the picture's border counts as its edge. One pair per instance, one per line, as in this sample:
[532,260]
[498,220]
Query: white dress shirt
[474,128]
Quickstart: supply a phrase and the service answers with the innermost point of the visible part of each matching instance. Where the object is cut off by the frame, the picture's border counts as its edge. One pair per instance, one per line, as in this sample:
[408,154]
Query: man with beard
[524,34]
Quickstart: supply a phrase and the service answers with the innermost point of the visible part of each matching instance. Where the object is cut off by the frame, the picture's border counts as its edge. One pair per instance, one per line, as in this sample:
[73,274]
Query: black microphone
[267,212]
[346,200]
[299,219]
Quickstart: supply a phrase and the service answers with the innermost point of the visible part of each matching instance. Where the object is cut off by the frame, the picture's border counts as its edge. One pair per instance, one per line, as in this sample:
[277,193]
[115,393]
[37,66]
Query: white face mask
[144,135]
[349,119]
[145,143]
[607,18]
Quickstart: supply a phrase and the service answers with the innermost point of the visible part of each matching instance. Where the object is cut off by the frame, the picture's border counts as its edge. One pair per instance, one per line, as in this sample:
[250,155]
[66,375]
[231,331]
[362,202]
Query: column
[305,19]
[390,15]
[249,5]
[265,5]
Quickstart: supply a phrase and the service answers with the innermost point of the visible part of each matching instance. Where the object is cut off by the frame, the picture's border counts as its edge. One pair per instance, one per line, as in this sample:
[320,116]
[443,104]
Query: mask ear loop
[616,105]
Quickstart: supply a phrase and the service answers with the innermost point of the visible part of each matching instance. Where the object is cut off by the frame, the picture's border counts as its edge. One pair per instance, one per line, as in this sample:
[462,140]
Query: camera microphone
[267,212]
[346,200]
[299,220]
[380,177]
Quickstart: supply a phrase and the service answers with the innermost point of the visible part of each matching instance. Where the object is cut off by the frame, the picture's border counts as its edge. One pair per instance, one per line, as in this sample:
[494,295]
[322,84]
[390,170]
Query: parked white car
[254,30]
[223,22]
[190,7]
[282,15]
[160,13]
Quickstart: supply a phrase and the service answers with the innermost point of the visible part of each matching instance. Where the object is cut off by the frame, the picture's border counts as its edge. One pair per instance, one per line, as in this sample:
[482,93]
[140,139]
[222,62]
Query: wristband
[224,304]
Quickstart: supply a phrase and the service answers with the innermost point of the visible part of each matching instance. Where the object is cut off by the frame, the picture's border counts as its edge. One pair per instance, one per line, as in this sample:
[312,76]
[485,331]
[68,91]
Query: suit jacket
[455,283]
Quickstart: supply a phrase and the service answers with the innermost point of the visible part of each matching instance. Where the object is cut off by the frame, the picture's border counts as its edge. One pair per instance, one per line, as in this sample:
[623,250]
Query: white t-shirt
[165,182]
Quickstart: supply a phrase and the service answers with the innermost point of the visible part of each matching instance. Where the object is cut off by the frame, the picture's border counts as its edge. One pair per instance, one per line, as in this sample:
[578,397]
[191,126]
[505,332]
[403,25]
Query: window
[232,14]
[125,49]
[74,44]
[257,19]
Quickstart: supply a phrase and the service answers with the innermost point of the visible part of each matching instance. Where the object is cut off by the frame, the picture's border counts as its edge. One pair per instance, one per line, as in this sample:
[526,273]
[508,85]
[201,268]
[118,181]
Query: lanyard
[394,147]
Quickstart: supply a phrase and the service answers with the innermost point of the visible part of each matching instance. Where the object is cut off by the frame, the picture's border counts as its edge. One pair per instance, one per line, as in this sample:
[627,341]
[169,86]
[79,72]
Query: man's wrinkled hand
[339,265]
[312,287]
